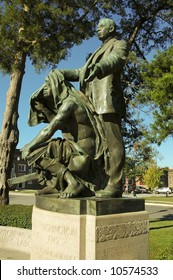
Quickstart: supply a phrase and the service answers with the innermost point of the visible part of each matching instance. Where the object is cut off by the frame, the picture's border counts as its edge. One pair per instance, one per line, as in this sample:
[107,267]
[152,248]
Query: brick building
[19,168]
[166,179]
[170,177]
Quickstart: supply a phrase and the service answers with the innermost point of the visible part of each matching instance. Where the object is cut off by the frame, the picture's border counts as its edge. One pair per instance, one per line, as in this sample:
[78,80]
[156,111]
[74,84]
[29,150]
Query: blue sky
[32,81]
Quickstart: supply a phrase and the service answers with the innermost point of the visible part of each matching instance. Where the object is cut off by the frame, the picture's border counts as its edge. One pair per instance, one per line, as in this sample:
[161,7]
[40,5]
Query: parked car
[171,190]
[141,189]
[163,190]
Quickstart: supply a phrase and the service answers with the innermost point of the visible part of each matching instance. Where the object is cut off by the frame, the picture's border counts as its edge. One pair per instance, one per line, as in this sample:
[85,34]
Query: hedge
[16,216]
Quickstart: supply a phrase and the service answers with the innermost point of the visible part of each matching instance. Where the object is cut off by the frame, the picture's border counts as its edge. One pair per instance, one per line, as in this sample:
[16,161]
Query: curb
[159,203]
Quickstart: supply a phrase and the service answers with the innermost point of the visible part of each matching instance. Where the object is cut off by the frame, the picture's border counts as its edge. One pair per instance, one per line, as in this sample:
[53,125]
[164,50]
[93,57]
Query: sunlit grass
[161,240]
[165,199]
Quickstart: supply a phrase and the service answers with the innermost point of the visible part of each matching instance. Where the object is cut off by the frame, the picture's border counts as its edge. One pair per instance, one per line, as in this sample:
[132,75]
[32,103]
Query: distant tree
[45,30]
[152,176]
[138,159]
[157,93]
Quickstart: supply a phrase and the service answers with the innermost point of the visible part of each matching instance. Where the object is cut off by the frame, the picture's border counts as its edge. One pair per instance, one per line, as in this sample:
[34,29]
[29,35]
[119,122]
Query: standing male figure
[100,82]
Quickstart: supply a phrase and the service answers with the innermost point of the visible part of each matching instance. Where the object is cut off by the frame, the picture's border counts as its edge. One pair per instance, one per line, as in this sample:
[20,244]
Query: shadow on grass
[159,227]
[166,218]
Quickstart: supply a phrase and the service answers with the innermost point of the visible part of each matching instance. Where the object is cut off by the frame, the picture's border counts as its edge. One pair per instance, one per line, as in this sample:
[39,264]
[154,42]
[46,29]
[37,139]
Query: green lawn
[16,216]
[161,233]
[161,240]
[164,198]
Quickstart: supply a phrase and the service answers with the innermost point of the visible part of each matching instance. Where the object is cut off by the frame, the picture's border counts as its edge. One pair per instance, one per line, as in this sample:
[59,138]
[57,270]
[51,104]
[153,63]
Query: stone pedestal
[15,243]
[89,229]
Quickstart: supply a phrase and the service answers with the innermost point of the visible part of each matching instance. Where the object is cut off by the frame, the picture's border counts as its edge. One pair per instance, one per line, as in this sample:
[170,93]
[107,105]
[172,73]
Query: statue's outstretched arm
[71,75]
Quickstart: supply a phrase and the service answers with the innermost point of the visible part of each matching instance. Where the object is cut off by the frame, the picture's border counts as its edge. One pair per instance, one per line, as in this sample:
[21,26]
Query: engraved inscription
[14,236]
[108,253]
[124,230]
[67,231]
[43,253]
[53,237]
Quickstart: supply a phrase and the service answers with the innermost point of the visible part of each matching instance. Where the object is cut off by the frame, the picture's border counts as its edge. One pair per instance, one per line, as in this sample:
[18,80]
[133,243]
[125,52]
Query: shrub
[16,216]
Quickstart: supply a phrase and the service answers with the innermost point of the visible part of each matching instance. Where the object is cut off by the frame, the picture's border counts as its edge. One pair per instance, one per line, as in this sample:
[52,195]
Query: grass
[161,233]
[165,199]
[16,216]
[161,240]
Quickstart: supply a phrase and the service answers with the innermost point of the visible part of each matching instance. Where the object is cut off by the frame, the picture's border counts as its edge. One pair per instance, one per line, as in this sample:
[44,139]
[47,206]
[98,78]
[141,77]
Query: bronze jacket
[105,91]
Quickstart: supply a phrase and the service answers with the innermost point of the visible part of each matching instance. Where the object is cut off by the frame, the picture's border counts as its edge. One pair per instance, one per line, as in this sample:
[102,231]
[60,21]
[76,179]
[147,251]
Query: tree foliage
[138,159]
[152,176]
[147,25]
[45,30]
[157,93]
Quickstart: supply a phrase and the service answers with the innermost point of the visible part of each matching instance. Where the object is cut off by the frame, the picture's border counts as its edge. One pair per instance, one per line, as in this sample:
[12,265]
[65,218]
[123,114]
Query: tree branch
[143,19]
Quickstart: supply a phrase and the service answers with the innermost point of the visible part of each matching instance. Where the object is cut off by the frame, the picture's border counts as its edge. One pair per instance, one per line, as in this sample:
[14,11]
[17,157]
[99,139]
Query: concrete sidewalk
[20,197]
[8,254]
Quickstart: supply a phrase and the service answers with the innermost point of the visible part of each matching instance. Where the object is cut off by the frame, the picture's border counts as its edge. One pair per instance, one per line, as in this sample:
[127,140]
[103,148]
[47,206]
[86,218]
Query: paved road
[142,195]
[24,199]
[160,212]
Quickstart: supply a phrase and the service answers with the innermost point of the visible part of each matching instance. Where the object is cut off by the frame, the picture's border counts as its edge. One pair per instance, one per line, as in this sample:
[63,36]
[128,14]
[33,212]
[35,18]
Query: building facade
[20,168]
[170,177]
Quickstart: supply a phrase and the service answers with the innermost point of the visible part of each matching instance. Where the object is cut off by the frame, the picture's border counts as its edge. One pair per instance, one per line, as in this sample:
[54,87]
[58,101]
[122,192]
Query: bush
[16,216]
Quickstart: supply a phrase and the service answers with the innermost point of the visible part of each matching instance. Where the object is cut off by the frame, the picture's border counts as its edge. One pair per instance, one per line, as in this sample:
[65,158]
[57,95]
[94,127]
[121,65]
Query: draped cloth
[62,151]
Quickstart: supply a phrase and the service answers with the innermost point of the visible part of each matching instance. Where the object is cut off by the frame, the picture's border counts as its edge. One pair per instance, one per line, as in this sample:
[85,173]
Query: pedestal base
[94,229]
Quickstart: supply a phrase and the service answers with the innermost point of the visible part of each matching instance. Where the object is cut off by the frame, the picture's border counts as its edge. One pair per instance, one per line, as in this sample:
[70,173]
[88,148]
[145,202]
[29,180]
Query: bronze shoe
[109,192]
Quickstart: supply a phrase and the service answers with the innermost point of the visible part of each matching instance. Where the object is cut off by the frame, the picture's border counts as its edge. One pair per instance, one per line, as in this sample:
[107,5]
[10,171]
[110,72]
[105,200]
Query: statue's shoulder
[120,42]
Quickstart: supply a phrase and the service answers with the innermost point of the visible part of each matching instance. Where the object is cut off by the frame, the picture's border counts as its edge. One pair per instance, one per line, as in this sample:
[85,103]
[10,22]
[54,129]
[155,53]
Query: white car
[163,190]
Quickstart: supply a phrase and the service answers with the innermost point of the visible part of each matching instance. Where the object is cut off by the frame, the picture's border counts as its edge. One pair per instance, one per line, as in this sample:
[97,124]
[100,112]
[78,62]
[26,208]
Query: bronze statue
[90,158]
[74,165]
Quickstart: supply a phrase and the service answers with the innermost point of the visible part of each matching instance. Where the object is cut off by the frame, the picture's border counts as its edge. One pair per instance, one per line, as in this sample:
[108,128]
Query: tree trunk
[9,135]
